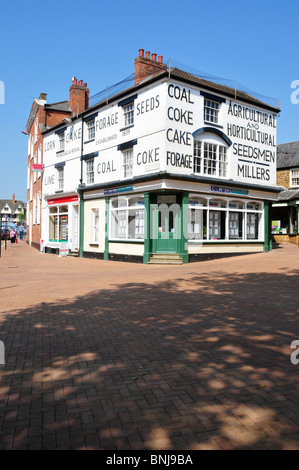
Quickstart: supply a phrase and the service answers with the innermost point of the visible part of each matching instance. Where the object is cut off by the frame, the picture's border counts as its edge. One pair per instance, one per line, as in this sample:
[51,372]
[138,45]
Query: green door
[167,223]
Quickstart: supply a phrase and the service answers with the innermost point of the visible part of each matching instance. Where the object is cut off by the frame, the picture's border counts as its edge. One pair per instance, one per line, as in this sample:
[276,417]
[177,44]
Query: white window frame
[210,158]
[95,226]
[128,162]
[35,130]
[61,141]
[128,114]
[89,171]
[294,178]
[91,130]
[60,178]
[211,111]
[244,208]
[124,212]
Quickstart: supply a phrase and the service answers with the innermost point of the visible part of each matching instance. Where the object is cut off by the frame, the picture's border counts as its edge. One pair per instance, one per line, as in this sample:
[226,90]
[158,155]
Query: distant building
[44,116]
[12,210]
[285,212]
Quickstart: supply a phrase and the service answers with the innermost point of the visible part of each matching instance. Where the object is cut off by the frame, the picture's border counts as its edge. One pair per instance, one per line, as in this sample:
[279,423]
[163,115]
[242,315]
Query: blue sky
[44,44]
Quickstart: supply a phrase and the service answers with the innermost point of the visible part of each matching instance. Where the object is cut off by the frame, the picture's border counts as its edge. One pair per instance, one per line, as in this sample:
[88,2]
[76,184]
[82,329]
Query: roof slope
[288,155]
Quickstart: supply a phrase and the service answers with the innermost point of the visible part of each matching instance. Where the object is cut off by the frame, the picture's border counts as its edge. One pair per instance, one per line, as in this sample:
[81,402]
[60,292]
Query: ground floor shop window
[58,224]
[127,218]
[224,219]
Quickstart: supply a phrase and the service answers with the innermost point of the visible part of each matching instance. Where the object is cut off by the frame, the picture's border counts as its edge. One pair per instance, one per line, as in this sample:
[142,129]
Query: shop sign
[37,167]
[219,189]
[118,190]
[63,200]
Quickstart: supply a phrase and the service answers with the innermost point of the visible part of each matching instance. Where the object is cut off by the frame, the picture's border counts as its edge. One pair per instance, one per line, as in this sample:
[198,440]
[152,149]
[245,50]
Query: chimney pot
[74,81]
[148,54]
[80,82]
[154,57]
[141,52]
[160,59]
[85,85]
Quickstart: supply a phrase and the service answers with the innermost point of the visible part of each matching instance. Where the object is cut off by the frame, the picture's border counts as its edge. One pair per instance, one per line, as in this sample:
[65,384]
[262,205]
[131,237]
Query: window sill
[59,151]
[95,245]
[60,191]
[88,141]
[127,127]
[213,124]
[126,240]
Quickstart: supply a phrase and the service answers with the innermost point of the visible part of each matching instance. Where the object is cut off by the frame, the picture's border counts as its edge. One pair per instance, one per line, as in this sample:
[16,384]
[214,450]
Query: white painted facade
[169,122]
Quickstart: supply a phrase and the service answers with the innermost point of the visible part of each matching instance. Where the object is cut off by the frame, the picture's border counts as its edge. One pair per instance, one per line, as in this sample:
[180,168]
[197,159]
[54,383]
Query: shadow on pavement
[156,367]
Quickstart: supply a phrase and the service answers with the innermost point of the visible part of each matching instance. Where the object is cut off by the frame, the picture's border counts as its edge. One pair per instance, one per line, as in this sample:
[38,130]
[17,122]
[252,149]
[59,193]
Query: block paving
[117,356]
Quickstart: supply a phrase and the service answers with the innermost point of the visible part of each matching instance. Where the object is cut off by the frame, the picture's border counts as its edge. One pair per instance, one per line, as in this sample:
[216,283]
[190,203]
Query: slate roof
[288,155]
[288,195]
[227,91]
[60,106]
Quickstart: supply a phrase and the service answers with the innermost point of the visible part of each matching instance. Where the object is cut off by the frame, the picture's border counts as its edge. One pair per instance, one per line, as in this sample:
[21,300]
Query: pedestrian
[21,231]
[12,235]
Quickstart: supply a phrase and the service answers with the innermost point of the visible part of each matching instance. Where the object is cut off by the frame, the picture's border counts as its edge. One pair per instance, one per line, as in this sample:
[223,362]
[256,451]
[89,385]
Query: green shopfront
[199,221]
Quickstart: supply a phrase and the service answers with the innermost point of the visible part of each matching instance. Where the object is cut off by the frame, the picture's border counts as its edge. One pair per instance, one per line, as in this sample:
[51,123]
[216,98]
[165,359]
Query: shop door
[168,237]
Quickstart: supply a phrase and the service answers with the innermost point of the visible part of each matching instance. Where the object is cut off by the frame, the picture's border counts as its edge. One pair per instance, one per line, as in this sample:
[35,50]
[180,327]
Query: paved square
[108,355]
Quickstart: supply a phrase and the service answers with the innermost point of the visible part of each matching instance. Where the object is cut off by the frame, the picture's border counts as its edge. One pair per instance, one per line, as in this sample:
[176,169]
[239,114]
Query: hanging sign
[37,167]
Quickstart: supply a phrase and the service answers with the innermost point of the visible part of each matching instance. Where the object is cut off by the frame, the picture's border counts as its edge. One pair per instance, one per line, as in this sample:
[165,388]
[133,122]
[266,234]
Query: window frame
[91,129]
[294,175]
[211,111]
[128,114]
[244,208]
[89,174]
[123,213]
[60,180]
[128,167]
[204,164]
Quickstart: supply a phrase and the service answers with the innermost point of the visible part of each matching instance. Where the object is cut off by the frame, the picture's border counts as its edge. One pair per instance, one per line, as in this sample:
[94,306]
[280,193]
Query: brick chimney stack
[13,199]
[79,96]
[147,66]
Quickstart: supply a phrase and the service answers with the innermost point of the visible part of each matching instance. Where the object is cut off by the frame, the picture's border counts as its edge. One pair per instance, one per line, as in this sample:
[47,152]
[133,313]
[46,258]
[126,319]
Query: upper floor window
[35,130]
[128,163]
[211,111]
[294,178]
[60,178]
[91,129]
[61,141]
[90,171]
[210,159]
[128,114]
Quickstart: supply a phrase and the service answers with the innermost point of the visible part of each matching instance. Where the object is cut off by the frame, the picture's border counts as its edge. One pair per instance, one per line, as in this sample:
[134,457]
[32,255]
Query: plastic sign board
[37,167]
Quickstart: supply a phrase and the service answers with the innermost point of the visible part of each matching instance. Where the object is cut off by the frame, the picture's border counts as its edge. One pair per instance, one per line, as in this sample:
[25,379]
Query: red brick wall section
[79,97]
[146,66]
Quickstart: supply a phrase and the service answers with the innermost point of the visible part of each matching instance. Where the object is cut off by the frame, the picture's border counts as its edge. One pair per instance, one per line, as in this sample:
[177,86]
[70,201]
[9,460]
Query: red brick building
[43,116]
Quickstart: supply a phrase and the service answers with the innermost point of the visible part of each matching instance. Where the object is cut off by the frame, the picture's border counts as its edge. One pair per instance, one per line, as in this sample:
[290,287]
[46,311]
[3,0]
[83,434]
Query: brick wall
[283,178]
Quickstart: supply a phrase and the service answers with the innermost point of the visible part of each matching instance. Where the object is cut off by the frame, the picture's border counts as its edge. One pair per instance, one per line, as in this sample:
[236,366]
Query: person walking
[12,235]
[21,231]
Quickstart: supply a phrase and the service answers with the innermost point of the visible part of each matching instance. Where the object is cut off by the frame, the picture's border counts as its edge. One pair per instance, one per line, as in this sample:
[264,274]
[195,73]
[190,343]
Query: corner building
[173,169]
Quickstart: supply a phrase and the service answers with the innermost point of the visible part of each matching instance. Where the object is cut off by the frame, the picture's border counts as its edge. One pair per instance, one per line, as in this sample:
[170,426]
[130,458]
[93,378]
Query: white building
[174,167]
